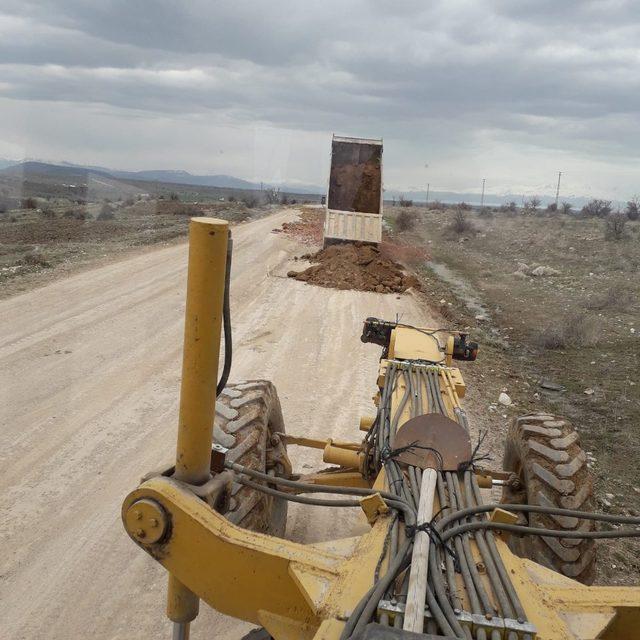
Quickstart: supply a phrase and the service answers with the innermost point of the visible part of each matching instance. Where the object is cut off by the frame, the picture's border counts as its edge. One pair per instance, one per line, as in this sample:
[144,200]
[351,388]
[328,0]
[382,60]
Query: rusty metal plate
[439,433]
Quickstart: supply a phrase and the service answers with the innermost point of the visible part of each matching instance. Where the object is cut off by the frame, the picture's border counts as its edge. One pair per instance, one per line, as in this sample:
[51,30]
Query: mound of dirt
[307,229]
[355,266]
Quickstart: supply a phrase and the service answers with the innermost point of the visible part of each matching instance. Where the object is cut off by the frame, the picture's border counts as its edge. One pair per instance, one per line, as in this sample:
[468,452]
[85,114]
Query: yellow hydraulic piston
[208,239]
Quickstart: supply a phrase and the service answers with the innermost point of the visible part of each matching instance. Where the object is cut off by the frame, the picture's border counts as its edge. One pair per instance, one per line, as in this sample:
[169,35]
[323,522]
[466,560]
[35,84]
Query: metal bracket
[473,621]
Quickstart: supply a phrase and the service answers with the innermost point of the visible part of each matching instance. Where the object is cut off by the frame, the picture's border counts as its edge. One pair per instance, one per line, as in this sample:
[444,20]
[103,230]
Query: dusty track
[89,382]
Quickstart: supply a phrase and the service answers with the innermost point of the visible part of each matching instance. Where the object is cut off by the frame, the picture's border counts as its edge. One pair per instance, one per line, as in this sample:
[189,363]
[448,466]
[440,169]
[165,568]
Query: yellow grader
[440,559]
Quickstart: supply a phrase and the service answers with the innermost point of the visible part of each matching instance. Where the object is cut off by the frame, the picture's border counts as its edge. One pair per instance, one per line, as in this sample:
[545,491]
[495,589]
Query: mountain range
[71,172]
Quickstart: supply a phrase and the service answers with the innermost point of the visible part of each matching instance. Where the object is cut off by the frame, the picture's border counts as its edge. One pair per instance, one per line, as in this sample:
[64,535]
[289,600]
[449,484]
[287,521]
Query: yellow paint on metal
[503,516]
[373,506]
[307,591]
[366,422]
[202,328]
[147,521]
[338,478]
[411,344]
[234,570]
[346,458]
[314,443]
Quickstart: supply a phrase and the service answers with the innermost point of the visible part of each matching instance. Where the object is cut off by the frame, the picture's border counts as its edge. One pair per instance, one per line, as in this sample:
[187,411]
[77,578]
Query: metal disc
[439,433]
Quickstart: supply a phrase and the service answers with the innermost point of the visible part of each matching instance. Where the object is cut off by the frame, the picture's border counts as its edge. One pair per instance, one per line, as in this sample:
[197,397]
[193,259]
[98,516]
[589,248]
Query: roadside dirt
[39,246]
[89,379]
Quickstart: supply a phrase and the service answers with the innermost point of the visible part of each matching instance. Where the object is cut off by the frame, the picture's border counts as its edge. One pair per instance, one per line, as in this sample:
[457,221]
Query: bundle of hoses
[462,519]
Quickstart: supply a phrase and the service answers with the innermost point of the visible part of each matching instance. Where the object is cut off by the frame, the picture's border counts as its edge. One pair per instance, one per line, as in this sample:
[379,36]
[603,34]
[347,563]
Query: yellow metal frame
[308,590]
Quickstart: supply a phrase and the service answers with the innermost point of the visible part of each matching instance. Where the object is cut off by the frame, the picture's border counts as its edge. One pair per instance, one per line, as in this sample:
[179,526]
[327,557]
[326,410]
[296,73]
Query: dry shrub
[106,212]
[34,259]
[436,205]
[405,202]
[405,221]
[597,208]
[566,208]
[615,226]
[250,201]
[575,329]
[460,224]
[618,297]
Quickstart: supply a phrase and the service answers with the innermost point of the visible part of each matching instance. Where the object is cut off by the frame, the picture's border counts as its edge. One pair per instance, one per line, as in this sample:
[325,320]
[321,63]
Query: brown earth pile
[307,229]
[355,266]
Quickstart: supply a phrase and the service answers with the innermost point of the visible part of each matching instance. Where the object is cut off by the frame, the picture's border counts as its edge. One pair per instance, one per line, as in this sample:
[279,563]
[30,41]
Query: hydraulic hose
[226,322]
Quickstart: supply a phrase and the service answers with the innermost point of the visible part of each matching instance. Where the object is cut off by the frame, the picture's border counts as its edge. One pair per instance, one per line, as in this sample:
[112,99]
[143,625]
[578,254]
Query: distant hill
[68,172]
[32,168]
[184,177]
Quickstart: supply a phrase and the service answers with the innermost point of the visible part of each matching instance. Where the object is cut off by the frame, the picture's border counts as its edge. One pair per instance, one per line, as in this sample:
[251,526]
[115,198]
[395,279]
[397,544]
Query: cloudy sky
[508,90]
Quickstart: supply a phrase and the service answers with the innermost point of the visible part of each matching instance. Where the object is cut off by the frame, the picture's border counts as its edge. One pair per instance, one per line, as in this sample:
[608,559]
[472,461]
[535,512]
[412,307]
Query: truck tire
[248,417]
[544,454]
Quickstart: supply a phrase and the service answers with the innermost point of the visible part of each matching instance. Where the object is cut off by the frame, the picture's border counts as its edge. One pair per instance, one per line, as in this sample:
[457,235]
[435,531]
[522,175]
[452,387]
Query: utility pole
[427,202]
[558,188]
[482,197]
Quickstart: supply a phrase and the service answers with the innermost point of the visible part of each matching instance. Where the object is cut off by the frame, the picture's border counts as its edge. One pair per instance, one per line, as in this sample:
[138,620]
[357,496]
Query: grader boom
[441,558]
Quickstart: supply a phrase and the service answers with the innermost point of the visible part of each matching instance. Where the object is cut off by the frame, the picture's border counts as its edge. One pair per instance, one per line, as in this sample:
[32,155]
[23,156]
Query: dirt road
[89,389]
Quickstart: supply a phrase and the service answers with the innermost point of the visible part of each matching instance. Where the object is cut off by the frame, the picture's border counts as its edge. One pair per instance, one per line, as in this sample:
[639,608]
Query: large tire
[544,453]
[248,415]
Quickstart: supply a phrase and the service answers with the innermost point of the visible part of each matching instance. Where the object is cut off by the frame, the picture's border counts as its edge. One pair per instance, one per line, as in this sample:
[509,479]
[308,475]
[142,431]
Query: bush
[460,224]
[437,205]
[633,208]
[29,203]
[552,207]
[566,208]
[405,202]
[619,296]
[69,213]
[174,196]
[464,206]
[250,201]
[48,214]
[284,199]
[271,196]
[34,259]
[231,198]
[575,329]
[405,221]
[532,204]
[597,208]
[106,213]
[508,207]
[614,226]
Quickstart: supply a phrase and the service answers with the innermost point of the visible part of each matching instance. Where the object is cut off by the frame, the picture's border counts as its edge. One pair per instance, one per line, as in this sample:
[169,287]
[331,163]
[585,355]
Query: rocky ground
[58,237]
[555,307]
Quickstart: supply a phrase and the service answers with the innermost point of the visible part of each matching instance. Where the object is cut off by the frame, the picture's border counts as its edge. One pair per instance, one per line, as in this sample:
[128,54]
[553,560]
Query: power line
[558,188]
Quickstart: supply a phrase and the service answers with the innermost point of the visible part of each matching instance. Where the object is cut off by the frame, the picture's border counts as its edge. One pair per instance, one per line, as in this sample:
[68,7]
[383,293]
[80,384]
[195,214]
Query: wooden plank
[417,592]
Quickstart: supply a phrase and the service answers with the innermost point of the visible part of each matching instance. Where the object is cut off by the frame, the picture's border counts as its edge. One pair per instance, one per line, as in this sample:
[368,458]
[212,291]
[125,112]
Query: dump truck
[443,557]
[354,194]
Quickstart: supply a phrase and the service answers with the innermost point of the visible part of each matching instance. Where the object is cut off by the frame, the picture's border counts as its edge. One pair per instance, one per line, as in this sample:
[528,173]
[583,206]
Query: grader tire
[544,453]
[248,414]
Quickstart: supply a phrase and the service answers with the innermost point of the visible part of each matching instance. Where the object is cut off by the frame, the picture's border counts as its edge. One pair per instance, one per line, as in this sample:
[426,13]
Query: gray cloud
[504,89]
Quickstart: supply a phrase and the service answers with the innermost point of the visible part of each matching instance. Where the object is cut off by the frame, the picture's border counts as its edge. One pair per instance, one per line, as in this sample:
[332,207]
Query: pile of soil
[355,266]
[307,229]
